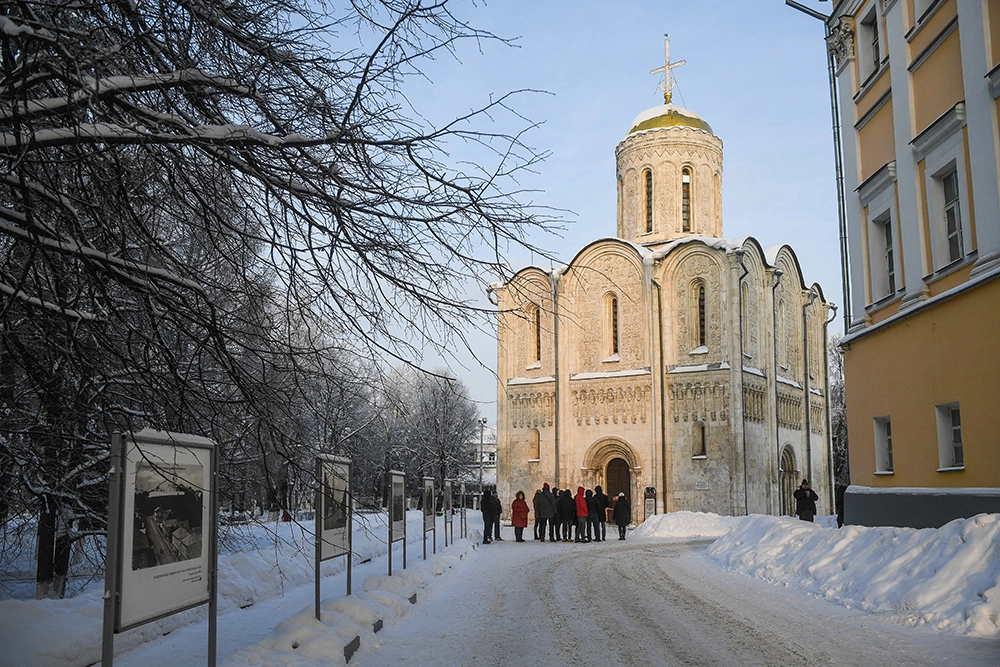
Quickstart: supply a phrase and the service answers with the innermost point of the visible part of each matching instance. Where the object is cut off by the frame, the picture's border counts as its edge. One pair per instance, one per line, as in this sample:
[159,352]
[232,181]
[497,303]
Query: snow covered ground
[946,580]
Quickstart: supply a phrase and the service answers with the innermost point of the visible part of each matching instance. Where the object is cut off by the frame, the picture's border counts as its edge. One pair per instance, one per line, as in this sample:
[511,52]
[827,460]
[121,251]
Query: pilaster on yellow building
[919,82]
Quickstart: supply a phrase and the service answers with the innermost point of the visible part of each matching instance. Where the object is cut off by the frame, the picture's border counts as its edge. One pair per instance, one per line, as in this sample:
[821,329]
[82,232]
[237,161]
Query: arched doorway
[789,476]
[619,478]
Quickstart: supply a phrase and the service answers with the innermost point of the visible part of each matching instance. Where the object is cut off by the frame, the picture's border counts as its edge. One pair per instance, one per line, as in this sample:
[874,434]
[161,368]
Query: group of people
[556,512]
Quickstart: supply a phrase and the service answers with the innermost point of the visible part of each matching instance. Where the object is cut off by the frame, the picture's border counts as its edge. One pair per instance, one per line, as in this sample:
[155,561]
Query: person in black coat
[567,513]
[805,501]
[622,514]
[593,531]
[497,513]
[602,511]
[488,508]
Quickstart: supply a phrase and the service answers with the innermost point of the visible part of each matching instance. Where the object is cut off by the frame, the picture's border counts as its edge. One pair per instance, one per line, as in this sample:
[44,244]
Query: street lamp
[482,427]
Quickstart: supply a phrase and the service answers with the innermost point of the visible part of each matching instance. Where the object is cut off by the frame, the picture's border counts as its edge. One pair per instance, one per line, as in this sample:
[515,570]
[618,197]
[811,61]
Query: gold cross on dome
[668,77]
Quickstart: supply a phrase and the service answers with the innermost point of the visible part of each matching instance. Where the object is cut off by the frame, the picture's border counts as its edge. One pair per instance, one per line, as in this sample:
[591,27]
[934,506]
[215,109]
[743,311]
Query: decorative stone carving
[817,416]
[611,405]
[789,410]
[698,266]
[754,401]
[840,42]
[699,401]
[534,409]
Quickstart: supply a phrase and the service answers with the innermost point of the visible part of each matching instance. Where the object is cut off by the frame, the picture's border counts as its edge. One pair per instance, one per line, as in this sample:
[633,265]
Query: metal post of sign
[350,542]
[317,504]
[114,542]
[213,584]
[388,506]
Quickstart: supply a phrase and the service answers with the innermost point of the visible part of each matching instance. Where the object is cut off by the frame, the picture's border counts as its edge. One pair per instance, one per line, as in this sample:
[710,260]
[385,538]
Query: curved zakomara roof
[770,256]
[773,255]
[530,284]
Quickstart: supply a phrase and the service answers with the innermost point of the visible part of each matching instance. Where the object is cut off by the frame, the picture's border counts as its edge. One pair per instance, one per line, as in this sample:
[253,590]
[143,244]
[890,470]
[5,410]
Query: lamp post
[482,427]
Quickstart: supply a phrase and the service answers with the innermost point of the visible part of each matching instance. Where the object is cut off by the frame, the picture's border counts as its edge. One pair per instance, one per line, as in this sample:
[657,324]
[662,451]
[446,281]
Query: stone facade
[667,359]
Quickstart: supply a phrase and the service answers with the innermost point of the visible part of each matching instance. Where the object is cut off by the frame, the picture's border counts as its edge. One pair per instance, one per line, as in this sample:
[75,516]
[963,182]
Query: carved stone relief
[789,410]
[699,401]
[817,417]
[623,404]
[604,273]
[531,409]
[840,42]
[754,401]
[698,266]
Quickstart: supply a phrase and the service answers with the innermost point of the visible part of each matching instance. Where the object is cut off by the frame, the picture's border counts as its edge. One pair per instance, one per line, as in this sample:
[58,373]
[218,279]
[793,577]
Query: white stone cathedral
[668,361]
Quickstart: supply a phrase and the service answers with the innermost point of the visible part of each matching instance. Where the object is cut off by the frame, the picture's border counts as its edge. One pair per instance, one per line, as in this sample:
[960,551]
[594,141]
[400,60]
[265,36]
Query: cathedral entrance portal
[789,479]
[619,479]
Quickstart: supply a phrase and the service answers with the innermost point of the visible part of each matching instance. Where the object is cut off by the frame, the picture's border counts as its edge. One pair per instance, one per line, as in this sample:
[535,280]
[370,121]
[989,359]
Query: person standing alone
[622,514]
[805,501]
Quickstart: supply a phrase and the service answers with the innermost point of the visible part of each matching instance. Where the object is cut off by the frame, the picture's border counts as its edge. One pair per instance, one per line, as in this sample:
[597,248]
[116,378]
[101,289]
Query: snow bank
[302,640]
[257,562]
[947,578]
[685,525]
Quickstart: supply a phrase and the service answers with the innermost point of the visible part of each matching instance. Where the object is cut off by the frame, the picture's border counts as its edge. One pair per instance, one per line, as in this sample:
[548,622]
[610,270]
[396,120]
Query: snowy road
[641,603]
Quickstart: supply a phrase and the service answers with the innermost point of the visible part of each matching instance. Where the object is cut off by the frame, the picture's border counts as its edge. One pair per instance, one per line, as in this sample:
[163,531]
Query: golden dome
[668,115]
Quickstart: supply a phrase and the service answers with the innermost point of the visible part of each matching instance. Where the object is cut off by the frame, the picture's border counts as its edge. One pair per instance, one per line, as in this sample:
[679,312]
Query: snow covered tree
[838,414]
[182,182]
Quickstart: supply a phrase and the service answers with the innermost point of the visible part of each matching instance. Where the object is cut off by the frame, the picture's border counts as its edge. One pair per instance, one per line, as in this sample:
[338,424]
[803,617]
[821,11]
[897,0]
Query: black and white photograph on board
[166,523]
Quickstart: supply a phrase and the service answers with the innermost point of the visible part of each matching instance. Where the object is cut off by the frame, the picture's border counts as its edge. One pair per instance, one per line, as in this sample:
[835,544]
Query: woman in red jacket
[519,511]
[581,514]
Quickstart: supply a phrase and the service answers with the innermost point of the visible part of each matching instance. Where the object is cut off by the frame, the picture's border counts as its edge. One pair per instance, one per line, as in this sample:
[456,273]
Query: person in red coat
[581,514]
[519,515]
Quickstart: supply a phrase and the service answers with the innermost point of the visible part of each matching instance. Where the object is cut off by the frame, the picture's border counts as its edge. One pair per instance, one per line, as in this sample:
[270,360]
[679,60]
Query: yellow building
[918,90]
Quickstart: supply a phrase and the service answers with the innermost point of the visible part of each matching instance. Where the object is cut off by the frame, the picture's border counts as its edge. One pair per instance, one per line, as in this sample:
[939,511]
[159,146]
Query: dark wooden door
[619,479]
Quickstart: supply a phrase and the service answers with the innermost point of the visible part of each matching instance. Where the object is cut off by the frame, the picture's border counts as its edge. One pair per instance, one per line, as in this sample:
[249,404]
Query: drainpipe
[557,427]
[829,435]
[805,379]
[740,252]
[845,268]
[661,372]
[774,329]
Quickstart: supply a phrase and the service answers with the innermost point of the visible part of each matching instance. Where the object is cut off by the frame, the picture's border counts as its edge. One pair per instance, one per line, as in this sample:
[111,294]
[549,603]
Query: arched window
[700,437]
[534,449]
[702,338]
[648,178]
[780,334]
[536,325]
[686,199]
[611,326]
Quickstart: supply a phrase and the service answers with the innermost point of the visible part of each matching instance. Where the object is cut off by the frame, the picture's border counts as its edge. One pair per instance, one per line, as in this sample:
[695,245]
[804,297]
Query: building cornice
[945,126]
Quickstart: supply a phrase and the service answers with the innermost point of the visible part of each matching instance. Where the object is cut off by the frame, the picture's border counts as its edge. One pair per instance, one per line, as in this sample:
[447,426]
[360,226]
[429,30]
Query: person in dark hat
[621,514]
[805,501]
[547,512]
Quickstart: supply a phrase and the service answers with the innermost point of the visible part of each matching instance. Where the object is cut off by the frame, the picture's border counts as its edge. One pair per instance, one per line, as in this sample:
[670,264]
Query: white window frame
[869,45]
[951,454]
[883,446]
[884,255]
[878,194]
[942,148]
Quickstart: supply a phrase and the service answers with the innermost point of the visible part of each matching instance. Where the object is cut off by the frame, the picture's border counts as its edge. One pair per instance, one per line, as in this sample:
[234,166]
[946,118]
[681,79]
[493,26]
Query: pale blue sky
[756,72]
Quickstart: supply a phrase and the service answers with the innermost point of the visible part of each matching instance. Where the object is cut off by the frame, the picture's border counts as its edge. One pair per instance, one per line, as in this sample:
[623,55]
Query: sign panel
[167,525]
[649,501]
[447,504]
[428,503]
[397,505]
[333,516]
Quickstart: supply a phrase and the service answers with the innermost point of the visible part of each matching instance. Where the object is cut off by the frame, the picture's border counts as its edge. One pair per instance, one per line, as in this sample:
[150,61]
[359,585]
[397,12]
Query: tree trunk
[44,565]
